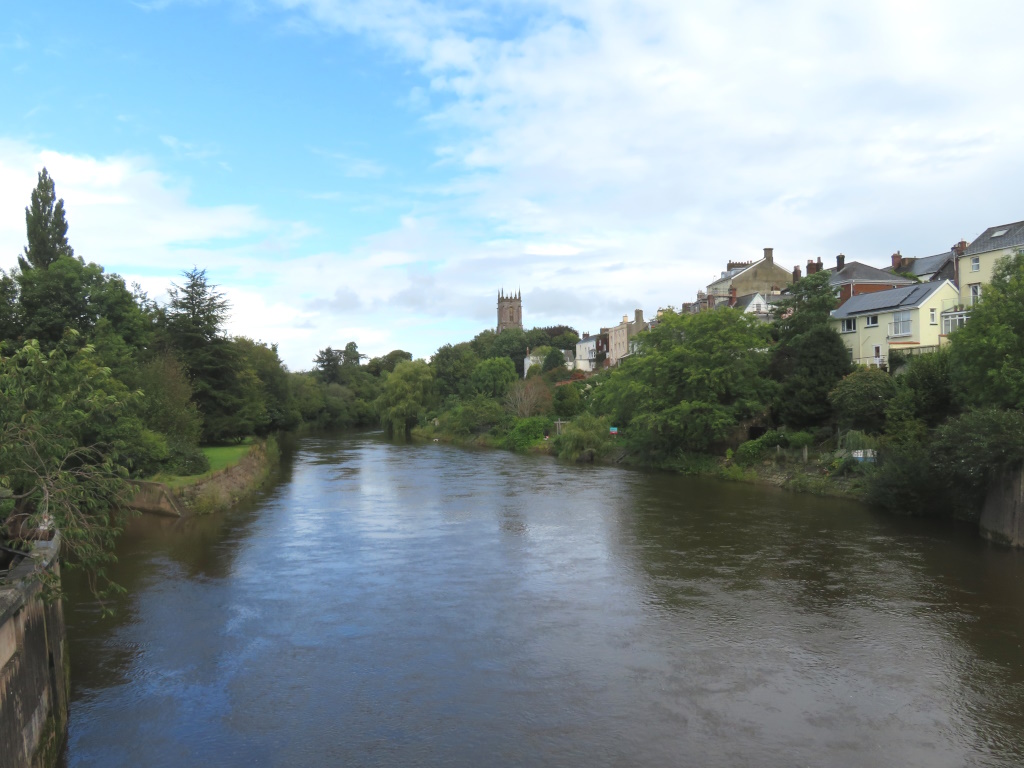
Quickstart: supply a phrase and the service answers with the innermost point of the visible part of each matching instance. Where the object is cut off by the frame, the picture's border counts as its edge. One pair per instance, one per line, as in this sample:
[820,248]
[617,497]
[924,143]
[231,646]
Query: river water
[422,605]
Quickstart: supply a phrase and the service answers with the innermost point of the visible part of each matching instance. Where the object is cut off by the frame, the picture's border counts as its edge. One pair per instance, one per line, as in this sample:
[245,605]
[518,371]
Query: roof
[998,237]
[886,301]
[928,265]
[855,272]
[742,302]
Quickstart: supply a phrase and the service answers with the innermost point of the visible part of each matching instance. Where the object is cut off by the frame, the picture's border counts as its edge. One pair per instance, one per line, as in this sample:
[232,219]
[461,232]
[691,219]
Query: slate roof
[855,272]
[1013,238]
[929,265]
[742,302]
[887,301]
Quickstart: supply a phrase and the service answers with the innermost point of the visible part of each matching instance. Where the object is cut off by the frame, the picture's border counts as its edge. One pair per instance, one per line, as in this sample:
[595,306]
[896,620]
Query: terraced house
[908,319]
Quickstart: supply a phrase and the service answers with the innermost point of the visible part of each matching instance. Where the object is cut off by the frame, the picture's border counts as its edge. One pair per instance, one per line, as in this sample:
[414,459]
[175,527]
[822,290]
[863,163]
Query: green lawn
[220,456]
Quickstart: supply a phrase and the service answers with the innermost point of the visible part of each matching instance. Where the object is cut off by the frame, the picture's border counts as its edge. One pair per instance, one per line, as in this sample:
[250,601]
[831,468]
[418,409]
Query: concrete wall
[1002,517]
[33,666]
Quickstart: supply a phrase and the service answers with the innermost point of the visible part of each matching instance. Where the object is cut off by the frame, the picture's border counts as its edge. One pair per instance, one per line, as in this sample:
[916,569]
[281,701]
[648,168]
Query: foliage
[808,306]
[527,432]
[988,353]
[584,438]
[453,366]
[473,416]
[861,398]
[493,377]
[46,227]
[327,365]
[567,401]
[378,366]
[693,379]
[406,395]
[64,450]
[808,365]
[552,360]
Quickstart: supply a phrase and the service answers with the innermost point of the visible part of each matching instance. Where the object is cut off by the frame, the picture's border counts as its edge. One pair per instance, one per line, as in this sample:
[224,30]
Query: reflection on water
[424,605]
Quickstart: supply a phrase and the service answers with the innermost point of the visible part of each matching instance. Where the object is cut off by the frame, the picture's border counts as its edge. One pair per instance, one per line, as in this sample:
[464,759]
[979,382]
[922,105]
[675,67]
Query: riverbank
[823,474]
[236,472]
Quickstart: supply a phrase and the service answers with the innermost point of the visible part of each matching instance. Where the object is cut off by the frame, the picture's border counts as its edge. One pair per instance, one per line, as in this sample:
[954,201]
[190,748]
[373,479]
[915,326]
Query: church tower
[510,311]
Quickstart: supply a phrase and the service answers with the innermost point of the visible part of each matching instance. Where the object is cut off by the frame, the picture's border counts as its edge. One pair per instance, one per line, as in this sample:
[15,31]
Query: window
[975,263]
[931,317]
[849,325]
[952,321]
[871,321]
[975,293]
[900,325]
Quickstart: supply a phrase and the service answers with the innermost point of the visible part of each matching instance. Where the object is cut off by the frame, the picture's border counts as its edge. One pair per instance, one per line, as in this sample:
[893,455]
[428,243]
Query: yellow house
[907,319]
[978,261]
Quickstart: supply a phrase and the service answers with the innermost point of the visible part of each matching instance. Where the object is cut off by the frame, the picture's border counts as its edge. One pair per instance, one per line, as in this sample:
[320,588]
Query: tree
[453,367]
[808,366]
[46,227]
[351,355]
[987,364]
[493,377]
[860,399]
[388,362]
[552,360]
[692,380]
[66,435]
[327,364]
[196,311]
[808,306]
[407,393]
[528,398]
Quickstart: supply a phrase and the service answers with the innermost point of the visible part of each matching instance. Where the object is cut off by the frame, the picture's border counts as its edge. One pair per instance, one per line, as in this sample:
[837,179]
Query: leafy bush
[527,432]
[800,439]
[750,452]
[585,438]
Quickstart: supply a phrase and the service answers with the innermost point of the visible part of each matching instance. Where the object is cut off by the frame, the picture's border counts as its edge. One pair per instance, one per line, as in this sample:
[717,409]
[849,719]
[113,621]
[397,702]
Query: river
[423,605]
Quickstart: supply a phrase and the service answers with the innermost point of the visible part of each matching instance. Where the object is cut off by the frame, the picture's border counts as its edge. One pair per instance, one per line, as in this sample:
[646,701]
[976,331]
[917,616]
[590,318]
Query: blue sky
[377,171]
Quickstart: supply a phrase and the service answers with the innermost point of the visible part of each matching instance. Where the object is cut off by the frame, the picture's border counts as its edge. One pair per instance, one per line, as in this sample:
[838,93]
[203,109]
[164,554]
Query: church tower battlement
[510,311]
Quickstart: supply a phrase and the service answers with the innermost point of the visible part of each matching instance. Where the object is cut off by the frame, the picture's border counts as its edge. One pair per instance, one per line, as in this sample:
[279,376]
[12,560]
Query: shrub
[800,439]
[527,432]
[750,452]
[585,438]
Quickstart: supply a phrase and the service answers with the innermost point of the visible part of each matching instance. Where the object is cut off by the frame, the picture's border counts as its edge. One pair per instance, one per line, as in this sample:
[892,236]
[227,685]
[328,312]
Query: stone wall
[1002,517]
[156,498]
[33,665]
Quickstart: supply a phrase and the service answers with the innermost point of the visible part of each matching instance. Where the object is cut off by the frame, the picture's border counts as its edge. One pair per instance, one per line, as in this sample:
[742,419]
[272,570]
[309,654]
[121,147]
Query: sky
[377,170]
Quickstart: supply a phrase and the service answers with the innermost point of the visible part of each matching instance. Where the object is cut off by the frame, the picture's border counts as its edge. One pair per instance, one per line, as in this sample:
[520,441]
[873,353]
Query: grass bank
[236,471]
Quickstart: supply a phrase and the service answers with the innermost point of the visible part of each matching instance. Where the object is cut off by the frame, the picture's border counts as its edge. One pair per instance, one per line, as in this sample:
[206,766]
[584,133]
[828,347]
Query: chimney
[896,259]
[818,266]
[840,262]
[810,267]
[625,318]
[768,255]
[638,317]
[796,274]
[960,247]
[732,297]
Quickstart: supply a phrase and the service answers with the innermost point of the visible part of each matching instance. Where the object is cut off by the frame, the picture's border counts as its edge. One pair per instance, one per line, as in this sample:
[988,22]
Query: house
[756,304]
[908,319]
[978,261]
[620,336]
[764,276]
[854,278]
[941,266]
[591,351]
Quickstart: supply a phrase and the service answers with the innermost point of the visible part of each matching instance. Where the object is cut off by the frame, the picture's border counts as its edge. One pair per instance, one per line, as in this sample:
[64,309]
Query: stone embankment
[33,663]
[209,493]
